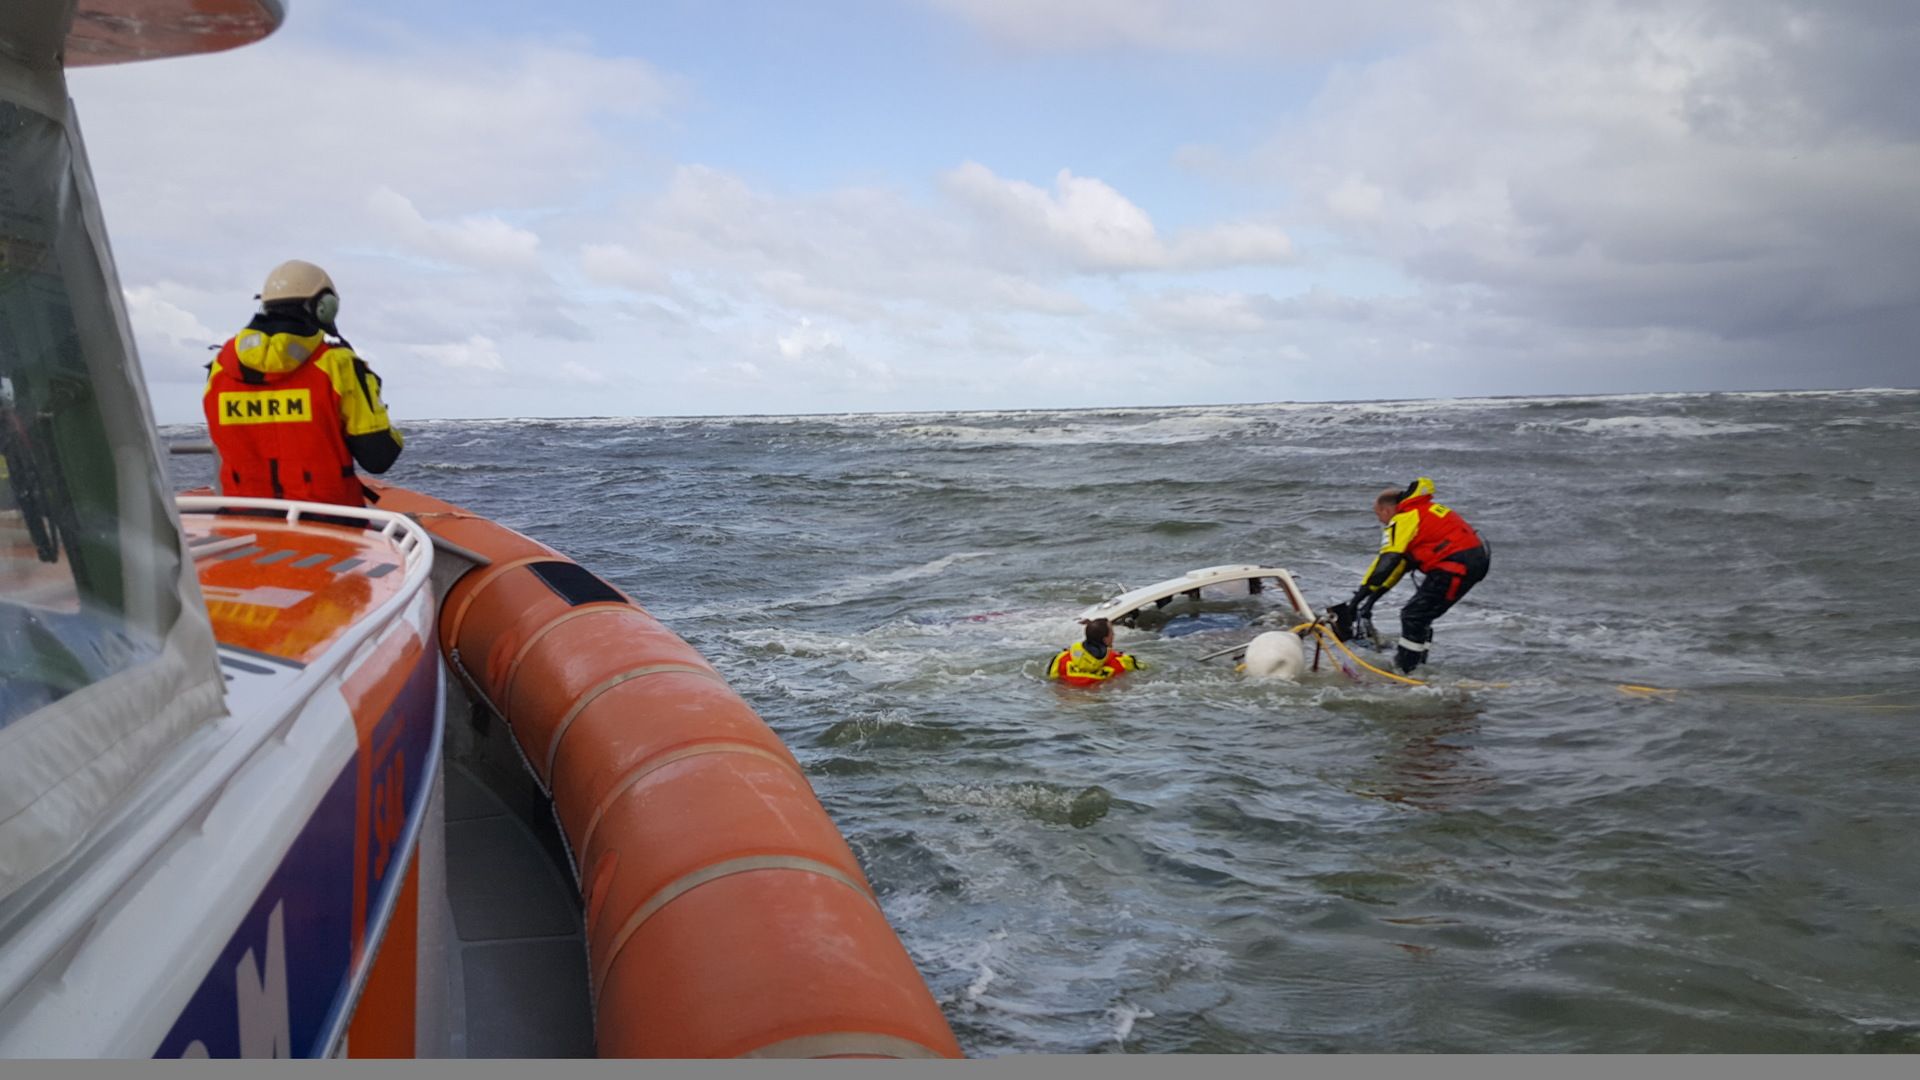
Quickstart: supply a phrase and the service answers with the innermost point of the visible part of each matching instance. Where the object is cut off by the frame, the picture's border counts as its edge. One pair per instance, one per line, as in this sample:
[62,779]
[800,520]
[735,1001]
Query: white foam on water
[472,467]
[1669,427]
[1201,959]
[1124,1015]
[1031,797]
[1183,426]
[864,586]
[1002,1005]
[1908,421]
[1074,972]
[979,985]
[815,645]
[975,956]
[1063,417]
[904,908]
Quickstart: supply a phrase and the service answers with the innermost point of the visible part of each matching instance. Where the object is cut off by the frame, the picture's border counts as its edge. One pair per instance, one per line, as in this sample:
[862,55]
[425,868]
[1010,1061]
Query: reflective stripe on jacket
[1075,666]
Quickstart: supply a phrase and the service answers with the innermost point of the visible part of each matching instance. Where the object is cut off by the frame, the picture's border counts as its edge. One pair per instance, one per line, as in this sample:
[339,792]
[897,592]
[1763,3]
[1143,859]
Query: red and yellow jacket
[1075,666]
[291,414]
[1422,534]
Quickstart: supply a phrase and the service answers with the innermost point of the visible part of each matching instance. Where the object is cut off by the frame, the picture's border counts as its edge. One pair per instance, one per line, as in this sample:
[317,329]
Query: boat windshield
[89,556]
[107,658]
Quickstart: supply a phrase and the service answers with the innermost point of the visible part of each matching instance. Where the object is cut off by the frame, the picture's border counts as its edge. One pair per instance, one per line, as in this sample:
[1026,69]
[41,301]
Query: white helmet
[296,279]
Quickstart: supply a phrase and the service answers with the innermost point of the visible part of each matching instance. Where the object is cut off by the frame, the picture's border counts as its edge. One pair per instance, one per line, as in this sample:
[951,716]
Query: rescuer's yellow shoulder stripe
[1399,531]
[266,406]
[361,410]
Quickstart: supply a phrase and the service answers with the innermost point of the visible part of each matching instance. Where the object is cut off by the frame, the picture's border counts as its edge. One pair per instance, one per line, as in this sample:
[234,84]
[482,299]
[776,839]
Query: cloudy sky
[685,207]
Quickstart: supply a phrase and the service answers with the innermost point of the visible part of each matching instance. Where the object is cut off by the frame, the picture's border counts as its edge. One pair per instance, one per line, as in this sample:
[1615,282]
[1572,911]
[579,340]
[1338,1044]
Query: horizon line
[1144,408]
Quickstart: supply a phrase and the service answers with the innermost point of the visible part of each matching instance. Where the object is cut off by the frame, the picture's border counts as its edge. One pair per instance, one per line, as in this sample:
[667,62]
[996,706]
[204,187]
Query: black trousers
[1440,591]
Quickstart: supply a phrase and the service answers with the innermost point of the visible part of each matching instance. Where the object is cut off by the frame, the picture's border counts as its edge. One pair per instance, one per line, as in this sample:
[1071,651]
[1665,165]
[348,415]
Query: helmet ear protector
[324,307]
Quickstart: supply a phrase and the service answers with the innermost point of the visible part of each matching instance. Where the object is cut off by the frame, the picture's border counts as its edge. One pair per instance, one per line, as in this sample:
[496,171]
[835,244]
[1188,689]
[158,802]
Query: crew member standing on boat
[289,406]
[1093,660]
[1420,534]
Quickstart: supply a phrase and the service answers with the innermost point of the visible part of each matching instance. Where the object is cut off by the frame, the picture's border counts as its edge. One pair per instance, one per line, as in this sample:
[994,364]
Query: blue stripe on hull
[235,1011]
[284,975]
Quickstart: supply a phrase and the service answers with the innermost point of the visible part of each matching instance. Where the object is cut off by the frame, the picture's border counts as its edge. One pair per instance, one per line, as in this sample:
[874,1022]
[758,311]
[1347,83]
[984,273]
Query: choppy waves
[1521,857]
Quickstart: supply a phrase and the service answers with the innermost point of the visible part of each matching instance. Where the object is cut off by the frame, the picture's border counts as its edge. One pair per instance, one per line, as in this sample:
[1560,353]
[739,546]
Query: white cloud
[1237,244]
[728,376]
[1625,165]
[408,168]
[813,354]
[1085,219]
[480,240]
[477,353]
[1210,313]
[576,372]
[613,264]
[1484,196]
[1282,27]
[1095,228]
[176,341]
[1028,295]
[462,126]
[807,338]
[711,242]
[1353,199]
[1708,193]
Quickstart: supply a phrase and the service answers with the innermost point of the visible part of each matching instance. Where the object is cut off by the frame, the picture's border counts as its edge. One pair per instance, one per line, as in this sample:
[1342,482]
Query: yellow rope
[1328,635]
[1860,702]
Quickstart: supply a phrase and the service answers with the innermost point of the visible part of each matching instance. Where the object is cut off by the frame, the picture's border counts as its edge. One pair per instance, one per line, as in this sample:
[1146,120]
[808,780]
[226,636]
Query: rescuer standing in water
[290,411]
[1423,535]
[1092,660]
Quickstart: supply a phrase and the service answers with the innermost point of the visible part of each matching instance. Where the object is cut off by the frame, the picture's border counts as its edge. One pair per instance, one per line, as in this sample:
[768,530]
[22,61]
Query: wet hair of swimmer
[1098,631]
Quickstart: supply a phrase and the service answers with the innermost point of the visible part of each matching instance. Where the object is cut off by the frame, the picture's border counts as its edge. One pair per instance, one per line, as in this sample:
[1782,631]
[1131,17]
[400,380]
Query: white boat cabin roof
[1123,608]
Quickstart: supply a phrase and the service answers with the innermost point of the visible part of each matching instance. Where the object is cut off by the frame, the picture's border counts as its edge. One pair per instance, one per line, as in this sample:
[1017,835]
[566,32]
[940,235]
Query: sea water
[1521,857]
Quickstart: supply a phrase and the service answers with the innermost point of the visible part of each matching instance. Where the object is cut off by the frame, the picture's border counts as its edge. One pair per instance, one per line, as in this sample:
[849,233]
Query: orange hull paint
[725,914]
[299,604]
[383,1019]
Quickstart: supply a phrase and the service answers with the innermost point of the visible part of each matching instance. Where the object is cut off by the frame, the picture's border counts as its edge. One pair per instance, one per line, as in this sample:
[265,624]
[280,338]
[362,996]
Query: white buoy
[1275,654]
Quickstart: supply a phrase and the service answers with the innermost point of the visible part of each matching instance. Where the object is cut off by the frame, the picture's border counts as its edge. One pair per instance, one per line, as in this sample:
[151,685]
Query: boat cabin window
[89,555]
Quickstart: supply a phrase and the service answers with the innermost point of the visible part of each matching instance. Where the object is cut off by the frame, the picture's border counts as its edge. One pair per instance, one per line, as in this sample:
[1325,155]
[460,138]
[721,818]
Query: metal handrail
[403,532]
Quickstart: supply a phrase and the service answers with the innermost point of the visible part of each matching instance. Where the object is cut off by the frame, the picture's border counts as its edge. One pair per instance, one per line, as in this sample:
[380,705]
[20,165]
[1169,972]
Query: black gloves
[1362,608]
[1342,615]
[1354,618]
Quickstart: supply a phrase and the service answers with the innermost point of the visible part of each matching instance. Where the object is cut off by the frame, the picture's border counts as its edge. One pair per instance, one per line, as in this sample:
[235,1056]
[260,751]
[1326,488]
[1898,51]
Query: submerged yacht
[284,779]
[1208,588]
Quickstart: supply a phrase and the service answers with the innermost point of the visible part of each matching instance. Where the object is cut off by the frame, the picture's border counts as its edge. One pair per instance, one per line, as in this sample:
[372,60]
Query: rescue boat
[287,779]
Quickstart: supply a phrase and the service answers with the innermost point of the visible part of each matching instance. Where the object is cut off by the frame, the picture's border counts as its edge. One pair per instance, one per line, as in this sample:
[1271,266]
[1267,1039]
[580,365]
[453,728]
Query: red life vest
[1075,666]
[1441,533]
[280,437]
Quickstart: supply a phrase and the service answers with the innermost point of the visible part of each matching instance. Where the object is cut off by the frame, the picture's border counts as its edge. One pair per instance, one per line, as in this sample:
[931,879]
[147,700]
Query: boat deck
[520,962]
[281,593]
